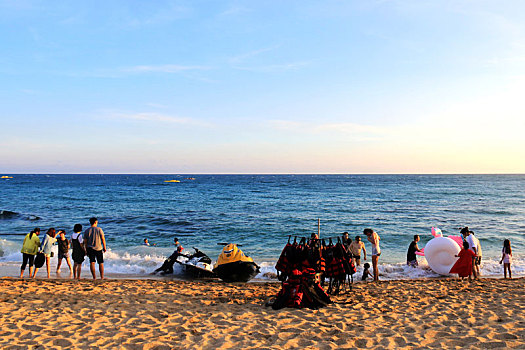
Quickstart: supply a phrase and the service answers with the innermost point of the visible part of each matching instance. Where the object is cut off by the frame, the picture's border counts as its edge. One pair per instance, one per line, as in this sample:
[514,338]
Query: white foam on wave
[401,271]
[142,260]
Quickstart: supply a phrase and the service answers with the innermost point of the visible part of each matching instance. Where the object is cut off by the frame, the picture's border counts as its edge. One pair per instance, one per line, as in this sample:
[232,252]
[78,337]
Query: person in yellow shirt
[29,250]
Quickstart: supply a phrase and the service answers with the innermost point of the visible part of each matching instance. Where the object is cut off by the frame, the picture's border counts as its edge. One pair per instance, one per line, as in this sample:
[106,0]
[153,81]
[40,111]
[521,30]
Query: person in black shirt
[63,251]
[411,254]
[346,240]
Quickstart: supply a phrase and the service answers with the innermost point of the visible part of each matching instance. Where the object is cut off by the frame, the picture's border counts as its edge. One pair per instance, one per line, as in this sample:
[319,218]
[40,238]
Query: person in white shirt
[477,262]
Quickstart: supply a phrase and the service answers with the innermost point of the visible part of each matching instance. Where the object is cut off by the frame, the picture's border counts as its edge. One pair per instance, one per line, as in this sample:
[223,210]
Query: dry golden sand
[157,314]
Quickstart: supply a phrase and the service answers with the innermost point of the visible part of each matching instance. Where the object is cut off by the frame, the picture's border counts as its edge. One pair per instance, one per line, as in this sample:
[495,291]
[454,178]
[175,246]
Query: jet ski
[233,266]
[198,265]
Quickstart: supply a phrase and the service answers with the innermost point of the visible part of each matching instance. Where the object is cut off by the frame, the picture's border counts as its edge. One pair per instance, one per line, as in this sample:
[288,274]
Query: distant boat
[190,178]
[172,181]
[6,177]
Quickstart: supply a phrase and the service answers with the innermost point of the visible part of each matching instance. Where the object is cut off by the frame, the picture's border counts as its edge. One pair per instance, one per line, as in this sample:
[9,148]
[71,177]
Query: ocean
[260,212]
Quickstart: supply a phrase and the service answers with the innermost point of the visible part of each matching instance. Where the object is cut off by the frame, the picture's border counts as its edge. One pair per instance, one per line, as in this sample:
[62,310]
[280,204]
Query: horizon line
[122,173]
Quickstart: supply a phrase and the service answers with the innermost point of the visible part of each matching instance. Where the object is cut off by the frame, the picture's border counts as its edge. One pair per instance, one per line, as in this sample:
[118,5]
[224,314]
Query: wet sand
[167,314]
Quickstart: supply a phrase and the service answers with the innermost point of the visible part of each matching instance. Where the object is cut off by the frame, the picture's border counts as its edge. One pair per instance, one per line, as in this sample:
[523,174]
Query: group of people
[91,243]
[355,247]
[470,255]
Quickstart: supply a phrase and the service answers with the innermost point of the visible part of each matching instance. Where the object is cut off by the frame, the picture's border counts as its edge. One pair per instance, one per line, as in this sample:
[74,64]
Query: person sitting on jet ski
[167,266]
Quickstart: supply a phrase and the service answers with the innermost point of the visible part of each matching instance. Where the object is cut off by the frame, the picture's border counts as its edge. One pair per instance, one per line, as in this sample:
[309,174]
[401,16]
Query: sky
[262,86]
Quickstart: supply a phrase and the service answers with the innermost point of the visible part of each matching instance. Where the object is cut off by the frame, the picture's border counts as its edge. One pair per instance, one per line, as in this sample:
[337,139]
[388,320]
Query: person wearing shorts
[95,245]
[79,252]
[63,251]
[374,238]
[29,250]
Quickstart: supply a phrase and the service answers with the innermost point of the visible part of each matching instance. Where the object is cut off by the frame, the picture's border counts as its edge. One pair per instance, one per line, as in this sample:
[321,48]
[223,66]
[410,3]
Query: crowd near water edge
[262,211]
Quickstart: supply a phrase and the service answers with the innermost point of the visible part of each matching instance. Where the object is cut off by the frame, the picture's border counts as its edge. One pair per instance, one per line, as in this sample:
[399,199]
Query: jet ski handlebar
[238,245]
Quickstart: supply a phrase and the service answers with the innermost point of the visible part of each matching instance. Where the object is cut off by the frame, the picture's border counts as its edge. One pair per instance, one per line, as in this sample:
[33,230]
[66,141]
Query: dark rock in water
[6,214]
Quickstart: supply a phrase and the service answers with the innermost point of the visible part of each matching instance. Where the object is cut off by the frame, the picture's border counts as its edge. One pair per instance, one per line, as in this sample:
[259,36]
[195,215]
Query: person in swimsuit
[506,258]
[374,238]
[355,250]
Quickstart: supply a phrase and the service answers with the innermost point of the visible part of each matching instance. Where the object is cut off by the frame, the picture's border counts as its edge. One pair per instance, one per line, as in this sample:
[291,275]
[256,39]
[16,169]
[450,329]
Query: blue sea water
[261,211]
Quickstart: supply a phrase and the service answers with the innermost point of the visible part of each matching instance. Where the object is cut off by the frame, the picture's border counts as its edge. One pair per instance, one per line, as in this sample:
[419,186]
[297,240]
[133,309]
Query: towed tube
[440,253]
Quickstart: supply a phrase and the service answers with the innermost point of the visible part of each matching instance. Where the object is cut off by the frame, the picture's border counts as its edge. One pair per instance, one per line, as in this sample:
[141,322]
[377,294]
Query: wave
[142,260]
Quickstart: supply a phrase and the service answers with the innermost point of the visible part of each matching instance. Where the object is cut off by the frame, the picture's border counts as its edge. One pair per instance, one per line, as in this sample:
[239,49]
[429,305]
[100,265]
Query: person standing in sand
[63,251]
[79,251]
[29,250]
[506,258]
[355,250]
[95,246]
[47,245]
[463,266]
[471,241]
[374,238]
[477,262]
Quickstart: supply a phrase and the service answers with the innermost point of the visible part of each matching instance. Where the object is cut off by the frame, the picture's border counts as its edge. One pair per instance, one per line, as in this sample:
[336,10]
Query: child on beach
[463,267]
[63,251]
[78,250]
[506,259]
[29,250]
[45,248]
[366,272]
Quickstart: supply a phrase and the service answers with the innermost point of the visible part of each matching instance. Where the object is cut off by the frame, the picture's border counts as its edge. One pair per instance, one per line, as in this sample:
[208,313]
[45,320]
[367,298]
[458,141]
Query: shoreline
[175,314]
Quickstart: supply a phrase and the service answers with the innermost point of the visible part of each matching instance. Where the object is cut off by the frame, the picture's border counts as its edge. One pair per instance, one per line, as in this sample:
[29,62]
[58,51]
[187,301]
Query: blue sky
[262,87]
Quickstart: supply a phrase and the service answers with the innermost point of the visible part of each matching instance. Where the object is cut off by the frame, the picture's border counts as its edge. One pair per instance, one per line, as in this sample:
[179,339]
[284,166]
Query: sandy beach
[157,314]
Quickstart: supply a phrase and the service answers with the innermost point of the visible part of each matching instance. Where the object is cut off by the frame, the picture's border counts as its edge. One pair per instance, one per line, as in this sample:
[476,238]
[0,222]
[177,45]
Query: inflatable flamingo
[441,252]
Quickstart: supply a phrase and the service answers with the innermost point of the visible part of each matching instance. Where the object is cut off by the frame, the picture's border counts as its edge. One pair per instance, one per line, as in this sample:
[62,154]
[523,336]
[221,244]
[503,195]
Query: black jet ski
[196,265]
[233,266]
